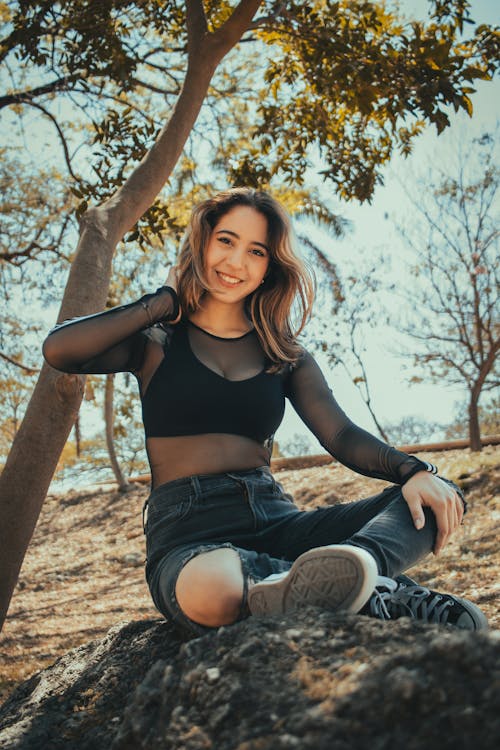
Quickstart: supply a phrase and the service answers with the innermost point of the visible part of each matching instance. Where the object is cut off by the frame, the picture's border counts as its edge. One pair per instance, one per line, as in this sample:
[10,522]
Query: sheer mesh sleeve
[356,448]
[110,341]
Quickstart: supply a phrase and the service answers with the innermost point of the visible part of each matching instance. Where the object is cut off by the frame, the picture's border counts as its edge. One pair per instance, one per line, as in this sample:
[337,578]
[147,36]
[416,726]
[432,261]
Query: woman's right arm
[110,341]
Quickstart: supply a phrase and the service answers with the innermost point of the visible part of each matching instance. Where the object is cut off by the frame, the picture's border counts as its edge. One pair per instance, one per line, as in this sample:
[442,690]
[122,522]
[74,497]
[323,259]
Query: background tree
[83,45]
[347,312]
[109,419]
[488,415]
[455,238]
[412,429]
[298,444]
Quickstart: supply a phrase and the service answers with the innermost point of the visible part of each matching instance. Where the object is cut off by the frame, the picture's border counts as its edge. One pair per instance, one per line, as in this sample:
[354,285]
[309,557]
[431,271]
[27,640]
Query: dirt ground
[84,569]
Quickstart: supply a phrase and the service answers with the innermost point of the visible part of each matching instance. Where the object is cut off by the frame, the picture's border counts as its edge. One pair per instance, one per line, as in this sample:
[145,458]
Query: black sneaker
[393,599]
[405,580]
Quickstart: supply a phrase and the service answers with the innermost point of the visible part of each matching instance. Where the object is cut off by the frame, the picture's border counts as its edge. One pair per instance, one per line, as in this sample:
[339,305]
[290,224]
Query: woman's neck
[221,319]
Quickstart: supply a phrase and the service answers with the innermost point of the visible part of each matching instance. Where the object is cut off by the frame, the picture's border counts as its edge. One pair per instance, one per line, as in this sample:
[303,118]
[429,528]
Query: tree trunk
[56,398]
[78,441]
[474,429]
[109,414]
[475,392]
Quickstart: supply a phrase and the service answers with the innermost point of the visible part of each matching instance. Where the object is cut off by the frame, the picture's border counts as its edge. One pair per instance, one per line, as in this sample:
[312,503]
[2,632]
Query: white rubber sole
[338,577]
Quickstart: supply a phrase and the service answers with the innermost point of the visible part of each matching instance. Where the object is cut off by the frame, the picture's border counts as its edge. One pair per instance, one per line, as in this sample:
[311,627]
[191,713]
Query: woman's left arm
[361,451]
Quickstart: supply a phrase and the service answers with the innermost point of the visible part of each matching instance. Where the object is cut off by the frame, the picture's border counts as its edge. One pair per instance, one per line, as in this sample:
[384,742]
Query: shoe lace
[417,602]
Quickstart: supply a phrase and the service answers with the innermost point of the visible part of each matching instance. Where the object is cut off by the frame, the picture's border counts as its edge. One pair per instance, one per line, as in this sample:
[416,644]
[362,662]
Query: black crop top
[187,397]
[208,403]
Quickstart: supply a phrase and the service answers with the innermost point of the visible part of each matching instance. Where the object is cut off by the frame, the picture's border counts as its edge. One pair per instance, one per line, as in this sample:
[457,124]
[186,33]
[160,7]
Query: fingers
[173,277]
[444,523]
[417,512]
[172,281]
[441,538]
[424,490]
[449,513]
[179,316]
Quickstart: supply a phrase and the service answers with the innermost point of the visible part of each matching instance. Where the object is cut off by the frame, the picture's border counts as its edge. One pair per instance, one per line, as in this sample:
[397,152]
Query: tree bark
[57,397]
[475,392]
[474,428]
[109,415]
[78,441]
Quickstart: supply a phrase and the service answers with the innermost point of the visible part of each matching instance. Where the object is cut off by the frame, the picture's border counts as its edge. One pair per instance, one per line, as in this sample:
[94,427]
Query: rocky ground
[264,684]
[314,681]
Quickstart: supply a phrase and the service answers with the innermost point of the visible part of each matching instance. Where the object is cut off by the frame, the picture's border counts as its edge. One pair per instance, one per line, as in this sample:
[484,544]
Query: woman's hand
[173,281]
[424,489]
[173,277]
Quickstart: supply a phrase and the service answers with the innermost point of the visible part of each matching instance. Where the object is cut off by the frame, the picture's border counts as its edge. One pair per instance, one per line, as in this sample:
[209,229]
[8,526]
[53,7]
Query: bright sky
[374,230]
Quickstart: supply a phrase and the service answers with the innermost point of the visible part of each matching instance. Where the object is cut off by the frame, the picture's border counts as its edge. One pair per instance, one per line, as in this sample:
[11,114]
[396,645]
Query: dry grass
[84,570]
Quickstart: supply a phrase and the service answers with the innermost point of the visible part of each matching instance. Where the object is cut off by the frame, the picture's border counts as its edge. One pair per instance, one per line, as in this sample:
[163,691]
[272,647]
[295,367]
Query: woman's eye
[225,240]
[258,252]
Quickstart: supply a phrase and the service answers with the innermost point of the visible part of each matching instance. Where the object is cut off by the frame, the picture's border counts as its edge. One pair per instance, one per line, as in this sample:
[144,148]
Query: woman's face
[237,255]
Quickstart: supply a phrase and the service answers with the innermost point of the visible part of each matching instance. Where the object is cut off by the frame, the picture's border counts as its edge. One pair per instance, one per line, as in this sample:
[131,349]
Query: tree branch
[239,21]
[62,138]
[269,20]
[27,252]
[30,370]
[487,366]
[60,84]
[128,203]
[155,89]
[196,22]
[367,397]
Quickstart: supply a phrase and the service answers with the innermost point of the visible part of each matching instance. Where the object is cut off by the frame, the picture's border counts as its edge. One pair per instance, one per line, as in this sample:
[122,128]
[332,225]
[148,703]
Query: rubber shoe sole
[338,577]
[471,618]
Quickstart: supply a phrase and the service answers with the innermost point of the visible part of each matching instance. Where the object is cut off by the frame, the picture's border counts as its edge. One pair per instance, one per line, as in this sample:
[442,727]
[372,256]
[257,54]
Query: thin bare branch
[60,133]
[60,84]
[155,89]
[30,370]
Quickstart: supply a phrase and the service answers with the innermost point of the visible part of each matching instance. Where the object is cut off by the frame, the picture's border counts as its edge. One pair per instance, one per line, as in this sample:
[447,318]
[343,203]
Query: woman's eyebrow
[234,234]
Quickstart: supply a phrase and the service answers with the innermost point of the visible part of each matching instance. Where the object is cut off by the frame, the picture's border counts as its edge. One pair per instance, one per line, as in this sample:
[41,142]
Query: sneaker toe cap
[471,618]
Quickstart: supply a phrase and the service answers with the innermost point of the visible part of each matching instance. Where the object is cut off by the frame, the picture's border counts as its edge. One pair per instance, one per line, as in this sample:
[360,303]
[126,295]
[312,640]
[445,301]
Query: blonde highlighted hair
[281,306]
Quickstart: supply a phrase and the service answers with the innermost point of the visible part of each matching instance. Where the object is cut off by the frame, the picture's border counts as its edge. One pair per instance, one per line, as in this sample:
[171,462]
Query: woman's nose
[236,257]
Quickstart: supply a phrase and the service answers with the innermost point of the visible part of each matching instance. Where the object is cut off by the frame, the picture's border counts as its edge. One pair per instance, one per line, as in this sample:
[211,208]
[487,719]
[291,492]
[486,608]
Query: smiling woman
[242,240]
[215,353]
[236,258]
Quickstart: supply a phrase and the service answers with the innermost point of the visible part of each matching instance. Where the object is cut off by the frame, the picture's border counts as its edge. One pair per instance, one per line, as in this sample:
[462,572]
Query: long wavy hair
[281,306]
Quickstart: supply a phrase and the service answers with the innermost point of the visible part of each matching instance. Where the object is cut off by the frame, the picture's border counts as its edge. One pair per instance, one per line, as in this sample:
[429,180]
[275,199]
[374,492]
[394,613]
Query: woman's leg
[204,542]
[382,525]
[209,588]
[393,540]
[201,586]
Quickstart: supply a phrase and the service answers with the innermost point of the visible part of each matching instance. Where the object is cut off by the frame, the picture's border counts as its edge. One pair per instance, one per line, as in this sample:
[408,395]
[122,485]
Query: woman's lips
[227,280]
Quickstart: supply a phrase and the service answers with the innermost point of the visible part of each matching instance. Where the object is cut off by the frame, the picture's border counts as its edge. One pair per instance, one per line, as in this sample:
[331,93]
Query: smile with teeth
[228,279]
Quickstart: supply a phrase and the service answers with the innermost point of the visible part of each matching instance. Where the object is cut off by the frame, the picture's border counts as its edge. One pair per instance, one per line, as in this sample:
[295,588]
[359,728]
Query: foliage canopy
[350,79]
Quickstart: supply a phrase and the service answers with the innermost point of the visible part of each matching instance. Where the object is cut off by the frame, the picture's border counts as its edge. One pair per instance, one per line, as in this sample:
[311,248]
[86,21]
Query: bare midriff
[215,453]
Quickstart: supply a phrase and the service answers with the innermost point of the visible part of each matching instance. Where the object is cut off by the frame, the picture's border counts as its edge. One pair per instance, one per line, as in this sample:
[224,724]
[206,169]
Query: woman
[215,353]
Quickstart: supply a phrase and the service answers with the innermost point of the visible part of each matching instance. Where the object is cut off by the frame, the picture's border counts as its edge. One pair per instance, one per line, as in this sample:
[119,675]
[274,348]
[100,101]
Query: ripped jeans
[250,512]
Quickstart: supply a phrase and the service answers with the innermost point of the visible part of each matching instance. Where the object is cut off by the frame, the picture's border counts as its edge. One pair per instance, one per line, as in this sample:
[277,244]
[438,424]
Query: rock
[78,702]
[213,674]
[310,680]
